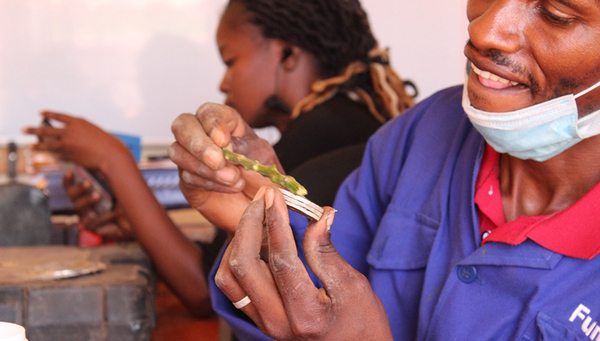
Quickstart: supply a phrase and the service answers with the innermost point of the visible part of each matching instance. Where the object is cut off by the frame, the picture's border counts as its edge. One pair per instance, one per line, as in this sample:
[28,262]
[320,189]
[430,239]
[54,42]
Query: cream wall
[426,39]
[132,66]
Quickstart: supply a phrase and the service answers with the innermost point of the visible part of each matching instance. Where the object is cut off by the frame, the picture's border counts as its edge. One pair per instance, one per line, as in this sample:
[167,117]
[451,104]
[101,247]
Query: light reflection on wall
[128,65]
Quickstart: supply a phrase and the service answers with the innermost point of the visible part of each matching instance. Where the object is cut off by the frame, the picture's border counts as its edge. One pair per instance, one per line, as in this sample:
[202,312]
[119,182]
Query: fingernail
[218,137]
[329,219]
[213,158]
[226,175]
[269,197]
[259,194]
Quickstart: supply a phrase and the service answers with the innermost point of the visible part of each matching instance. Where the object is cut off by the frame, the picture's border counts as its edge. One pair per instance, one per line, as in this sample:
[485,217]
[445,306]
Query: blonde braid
[388,86]
[324,89]
[368,101]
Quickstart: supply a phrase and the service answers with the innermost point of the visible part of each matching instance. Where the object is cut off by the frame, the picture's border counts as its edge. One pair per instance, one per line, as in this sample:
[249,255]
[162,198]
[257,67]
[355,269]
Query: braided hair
[337,32]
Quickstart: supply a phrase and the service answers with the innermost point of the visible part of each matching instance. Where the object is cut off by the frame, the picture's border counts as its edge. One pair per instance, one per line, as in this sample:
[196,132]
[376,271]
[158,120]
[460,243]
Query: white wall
[426,39]
[132,66]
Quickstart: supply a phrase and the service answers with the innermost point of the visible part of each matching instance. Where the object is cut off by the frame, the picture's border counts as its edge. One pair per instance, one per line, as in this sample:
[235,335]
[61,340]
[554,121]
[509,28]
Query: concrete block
[77,332]
[112,305]
[64,305]
[129,304]
[11,305]
[139,331]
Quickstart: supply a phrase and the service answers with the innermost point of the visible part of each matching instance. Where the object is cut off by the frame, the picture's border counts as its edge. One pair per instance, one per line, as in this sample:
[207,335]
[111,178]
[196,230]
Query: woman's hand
[284,302]
[82,142]
[112,225]
[79,141]
[216,188]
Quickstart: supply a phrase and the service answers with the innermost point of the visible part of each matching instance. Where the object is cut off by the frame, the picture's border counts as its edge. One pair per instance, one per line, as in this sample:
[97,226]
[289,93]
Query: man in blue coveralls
[474,216]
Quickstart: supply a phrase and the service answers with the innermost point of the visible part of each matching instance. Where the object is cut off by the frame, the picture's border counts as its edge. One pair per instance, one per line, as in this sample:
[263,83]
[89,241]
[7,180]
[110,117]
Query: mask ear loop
[591,88]
[589,125]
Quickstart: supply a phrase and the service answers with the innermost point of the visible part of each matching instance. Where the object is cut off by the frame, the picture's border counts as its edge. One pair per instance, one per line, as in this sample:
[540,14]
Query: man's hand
[285,304]
[216,188]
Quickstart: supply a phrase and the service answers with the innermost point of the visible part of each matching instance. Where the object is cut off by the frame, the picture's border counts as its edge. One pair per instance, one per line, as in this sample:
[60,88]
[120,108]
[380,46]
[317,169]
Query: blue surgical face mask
[538,132]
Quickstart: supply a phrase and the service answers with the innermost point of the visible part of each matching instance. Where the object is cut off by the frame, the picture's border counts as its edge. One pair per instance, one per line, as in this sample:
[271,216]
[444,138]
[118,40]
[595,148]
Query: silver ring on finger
[242,303]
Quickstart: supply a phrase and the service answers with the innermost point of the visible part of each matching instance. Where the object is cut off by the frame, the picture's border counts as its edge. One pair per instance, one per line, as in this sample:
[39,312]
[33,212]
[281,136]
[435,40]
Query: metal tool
[302,205]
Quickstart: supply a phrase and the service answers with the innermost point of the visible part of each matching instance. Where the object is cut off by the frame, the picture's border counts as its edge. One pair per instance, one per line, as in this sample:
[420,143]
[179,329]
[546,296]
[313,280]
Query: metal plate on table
[53,270]
[63,270]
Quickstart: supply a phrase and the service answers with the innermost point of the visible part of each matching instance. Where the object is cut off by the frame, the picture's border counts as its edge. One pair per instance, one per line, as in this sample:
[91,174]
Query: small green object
[269,171]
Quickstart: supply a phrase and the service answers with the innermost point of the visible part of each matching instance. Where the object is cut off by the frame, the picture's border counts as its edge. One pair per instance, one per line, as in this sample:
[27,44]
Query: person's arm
[178,260]
[281,299]
[218,189]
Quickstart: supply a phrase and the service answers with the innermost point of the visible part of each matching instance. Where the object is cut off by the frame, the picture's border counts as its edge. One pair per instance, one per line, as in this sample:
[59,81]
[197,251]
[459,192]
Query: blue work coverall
[407,220]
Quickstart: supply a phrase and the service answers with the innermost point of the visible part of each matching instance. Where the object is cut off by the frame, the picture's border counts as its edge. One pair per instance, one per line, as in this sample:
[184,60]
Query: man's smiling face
[524,52]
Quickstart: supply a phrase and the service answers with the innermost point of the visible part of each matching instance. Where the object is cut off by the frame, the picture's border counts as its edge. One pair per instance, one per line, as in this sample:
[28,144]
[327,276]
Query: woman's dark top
[322,146]
[337,123]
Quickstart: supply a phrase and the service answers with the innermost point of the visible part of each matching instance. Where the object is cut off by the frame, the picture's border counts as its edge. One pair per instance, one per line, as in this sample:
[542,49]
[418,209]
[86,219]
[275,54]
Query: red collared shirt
[573,232]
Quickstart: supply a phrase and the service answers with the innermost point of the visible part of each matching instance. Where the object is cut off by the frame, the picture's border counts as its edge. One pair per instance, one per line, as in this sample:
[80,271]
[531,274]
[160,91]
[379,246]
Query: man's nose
[497,25]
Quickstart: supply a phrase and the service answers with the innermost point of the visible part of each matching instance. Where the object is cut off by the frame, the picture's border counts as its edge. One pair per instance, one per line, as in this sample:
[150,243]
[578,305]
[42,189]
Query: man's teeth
[489,75]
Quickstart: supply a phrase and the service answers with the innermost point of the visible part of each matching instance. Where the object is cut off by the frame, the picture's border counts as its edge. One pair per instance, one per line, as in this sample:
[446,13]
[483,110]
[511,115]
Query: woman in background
[324,82]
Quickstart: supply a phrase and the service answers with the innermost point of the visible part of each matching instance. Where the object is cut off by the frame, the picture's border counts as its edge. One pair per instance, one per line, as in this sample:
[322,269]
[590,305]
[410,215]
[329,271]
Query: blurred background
[132,66]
